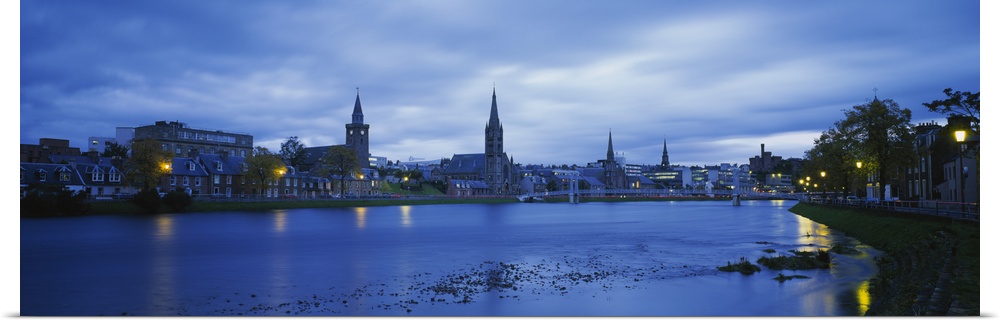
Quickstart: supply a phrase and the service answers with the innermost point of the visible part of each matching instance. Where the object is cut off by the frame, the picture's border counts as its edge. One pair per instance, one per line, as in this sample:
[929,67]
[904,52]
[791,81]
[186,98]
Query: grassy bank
[930,265]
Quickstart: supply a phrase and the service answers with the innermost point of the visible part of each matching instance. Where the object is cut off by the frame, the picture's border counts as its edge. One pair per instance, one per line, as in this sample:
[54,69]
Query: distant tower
[665,159]
[357,133]
[494,169]
[614,176]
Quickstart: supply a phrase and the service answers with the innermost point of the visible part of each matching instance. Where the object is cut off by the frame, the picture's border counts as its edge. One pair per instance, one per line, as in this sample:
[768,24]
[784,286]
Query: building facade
[182,140]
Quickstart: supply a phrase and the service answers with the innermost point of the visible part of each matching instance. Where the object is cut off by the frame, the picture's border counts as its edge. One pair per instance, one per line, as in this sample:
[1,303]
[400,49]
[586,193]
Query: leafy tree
[293,152]
[878,134]
[262,168]
[149,162]
[114,149]
[340,161]
[958,103]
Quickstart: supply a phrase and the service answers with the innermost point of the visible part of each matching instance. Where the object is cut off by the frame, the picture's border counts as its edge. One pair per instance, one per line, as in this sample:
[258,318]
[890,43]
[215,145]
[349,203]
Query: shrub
[177,201]
[148,200]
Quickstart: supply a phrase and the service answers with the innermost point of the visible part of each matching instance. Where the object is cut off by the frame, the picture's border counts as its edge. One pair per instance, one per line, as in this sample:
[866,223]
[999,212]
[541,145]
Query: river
[556,259]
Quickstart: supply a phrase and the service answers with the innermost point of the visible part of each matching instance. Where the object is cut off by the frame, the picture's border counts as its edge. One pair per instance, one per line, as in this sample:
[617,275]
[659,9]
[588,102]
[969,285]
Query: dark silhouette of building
[665,158]
[764,163]
[46,147]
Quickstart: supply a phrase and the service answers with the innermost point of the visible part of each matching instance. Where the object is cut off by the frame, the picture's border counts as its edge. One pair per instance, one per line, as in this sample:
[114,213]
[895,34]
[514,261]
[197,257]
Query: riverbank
[930,264]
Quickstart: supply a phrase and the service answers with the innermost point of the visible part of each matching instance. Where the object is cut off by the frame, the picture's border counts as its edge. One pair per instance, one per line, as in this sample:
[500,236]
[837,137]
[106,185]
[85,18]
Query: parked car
[853,199]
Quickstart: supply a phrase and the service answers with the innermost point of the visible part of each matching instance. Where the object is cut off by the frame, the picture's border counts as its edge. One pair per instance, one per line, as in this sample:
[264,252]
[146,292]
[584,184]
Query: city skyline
[714,80]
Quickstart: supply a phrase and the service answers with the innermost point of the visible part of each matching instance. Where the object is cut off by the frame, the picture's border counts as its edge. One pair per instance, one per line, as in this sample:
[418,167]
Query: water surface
[589,259]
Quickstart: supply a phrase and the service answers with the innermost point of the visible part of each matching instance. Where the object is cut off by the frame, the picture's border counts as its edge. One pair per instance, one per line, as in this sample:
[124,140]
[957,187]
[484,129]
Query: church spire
[357,117]
[494,116]
[611,150]
[665,159]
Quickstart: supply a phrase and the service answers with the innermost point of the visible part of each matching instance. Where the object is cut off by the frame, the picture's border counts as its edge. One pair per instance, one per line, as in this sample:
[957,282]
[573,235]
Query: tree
[340,161]
[263,168]
[148,163]
[293,152]
[114,149]
[958,103]
[878,134]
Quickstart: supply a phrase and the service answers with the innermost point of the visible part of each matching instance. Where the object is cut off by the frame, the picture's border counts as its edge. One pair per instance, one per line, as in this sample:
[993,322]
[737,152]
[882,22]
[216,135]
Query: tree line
[878,138]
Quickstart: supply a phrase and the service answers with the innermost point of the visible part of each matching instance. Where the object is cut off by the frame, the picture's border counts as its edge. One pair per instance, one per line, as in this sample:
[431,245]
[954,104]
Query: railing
[659,193]
[954,210]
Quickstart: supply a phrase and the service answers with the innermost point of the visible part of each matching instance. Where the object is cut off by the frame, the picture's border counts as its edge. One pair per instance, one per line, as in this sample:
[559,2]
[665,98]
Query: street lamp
[960,137]
[823,175]
[859,170]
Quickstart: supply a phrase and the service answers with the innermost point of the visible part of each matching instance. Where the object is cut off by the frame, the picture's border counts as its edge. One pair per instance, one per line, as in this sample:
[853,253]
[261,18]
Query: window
[190,165]
[229,179]
[42,176]
[115,176]
[218,165]
[229,191]
[215,179]
[98,176]
[215,190]
[187,180]
[288,181]
[64,176]
[197,181]
[173,180]
[177,150]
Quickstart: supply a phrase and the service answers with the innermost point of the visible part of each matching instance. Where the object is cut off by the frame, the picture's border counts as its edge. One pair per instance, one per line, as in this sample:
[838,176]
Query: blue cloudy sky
[715,79]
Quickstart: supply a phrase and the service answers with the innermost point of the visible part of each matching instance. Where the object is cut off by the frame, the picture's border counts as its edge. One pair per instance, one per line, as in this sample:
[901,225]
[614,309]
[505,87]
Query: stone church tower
[357,134]
[497,170]
[614,174]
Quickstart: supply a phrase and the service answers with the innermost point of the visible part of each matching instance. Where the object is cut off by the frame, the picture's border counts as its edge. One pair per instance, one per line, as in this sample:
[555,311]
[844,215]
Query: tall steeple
[358,117]
[665,159]
[496,172]
[494,116]
[611,150]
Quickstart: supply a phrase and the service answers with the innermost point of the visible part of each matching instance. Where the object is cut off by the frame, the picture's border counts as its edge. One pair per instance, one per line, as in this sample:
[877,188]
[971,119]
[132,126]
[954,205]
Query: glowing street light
[960,137]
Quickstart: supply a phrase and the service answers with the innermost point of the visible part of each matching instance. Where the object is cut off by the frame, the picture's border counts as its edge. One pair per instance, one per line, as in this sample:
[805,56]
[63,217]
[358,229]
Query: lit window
[229,179]
[64,176]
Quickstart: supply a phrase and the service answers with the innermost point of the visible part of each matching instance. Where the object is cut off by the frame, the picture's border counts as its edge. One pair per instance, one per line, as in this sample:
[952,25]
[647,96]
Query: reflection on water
[164,227]
[405,212]
[864,298]
[813,233]
[279,220]
[359,217]
[162,272]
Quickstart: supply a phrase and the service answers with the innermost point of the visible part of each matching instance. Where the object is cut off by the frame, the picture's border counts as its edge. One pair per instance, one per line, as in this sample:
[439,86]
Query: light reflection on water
[405,214]
[360,214]
[350,260]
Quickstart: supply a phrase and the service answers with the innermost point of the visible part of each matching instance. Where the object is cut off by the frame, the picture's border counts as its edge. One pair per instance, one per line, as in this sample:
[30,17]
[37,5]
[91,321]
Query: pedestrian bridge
[574,195]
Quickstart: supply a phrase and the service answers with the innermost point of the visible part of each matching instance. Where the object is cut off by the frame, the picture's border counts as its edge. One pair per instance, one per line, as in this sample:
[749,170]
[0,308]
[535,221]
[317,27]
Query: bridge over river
[575,195]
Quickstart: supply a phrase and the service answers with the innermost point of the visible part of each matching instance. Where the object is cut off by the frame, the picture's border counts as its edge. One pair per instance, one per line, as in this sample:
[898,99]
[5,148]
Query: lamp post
[960,137]
[822,175]
[859,168]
